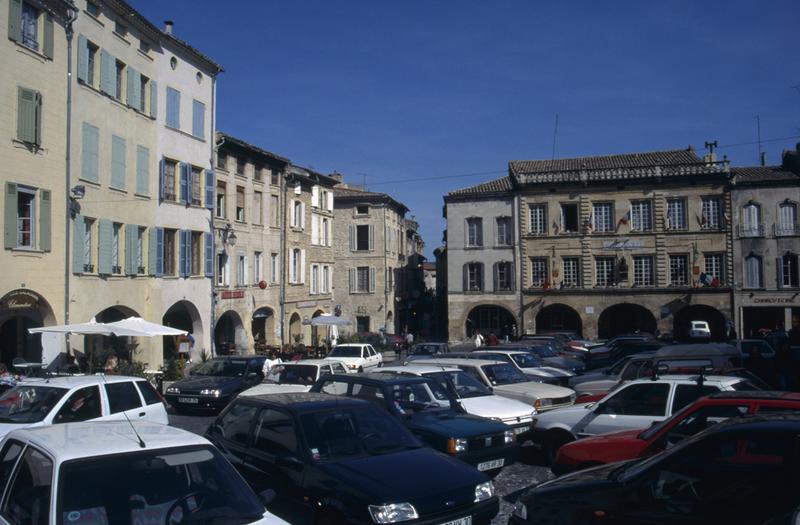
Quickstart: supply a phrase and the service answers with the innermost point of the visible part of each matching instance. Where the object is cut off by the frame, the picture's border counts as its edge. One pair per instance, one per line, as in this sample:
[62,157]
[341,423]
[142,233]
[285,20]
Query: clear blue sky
[389,91]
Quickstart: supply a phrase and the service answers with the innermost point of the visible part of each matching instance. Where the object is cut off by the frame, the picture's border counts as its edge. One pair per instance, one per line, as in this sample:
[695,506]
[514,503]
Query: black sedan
[743,471]
[214,383]
[347,461]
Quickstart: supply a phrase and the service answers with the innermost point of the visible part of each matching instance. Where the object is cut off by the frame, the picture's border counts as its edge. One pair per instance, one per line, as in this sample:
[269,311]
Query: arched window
[752,272]
[503,276]
[473,277]
[787,220]
[751,221]
[788,276]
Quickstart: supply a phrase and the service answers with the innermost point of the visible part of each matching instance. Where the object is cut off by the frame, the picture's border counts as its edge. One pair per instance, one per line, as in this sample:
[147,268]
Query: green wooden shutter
[15,20]
[210,189]
[153,99]
[108,73]
[83,59]
[209,255]
[159,252]
[78,232]
[10,226]
[90,153]
[104,243]
[131,255]
[198,118]
[152,252]
[26,115]
[45,219]
[184,174]
[118,150]
[142,170]
[47,43]
[173,108]
[133,89]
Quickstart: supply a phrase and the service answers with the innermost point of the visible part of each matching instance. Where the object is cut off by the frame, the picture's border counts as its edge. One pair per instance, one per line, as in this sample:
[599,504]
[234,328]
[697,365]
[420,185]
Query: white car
[36,402]
[507,381]
[699,329]
[122,473]
[473,395]
[356,356]
[295,376]
[529,364]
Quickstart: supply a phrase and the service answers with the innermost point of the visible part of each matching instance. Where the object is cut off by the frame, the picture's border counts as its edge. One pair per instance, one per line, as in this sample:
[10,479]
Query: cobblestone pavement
[510,481]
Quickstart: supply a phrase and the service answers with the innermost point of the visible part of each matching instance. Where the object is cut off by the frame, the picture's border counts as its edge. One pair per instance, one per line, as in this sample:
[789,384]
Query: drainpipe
[72,12]
[385,274]
[213,156]
[517,258]
[282,258]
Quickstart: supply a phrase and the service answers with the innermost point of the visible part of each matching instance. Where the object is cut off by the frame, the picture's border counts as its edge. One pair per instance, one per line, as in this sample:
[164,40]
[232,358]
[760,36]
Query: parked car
[121,473]
[643,442]
[473,395]
[699,330]
[214,383]
[417,403]
[603,379]
[558,342]
[743,470]
[633,405]
[295,376]
[611,350]
[356,356]
[529,364]
[431,349]
[549,356]
[38,402]
[765,350]
[507,381]
[348,461]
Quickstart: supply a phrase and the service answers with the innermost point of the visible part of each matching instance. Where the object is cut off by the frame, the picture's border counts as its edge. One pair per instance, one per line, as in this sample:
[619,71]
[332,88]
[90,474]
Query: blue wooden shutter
[142,170]
[209,255]
[184,169]
[173,108]
[161,180]
[108,73]
[15,20]
[90,153]
[118,150]
[210,189]
[131,249]
[83,59]
[105,234]
[44,220]
[78,232]
[47,39]
[153,99]
[183,254]
[198,118]
[152,251]
[133,88]
[10,216]
[159,252]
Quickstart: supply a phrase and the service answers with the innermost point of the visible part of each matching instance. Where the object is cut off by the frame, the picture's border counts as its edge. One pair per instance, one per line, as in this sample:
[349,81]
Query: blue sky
[384,92]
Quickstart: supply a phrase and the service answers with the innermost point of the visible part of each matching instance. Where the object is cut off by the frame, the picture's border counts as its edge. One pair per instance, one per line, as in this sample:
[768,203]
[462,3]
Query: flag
[624,219]
[703,220]
[667,221]
[556,229]
[590,221]
[715,282]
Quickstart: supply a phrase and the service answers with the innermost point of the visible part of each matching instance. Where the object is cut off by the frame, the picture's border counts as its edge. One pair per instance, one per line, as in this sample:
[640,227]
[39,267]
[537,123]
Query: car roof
[380,377]
[501,351]
[351,344]
[237,357]
[702,349]
[98,438]
[418,369]
[317,362]
[789,421]
[725,380]
[757,395]
[76,381]
[305,401]
[462,362]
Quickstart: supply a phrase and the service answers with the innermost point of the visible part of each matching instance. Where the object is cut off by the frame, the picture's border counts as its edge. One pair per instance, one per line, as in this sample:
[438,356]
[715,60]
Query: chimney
[337,176]
[168,26]
[763,158]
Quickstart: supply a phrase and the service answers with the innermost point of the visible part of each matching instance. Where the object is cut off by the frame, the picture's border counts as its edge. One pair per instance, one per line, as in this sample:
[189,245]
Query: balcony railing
[785,230]
[116,269]
[141,269]
[750,231]
[88,268]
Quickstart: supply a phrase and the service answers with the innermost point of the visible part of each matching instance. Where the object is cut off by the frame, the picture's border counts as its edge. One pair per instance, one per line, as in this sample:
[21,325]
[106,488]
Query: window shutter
[26,115]
[465,277]
[779,270]
[47,40]
[10,216]
[162,190]
[302,267]
[512,276]
[15,20]
[315,196]
[131,230]
[153,99]
[173,108]
[209,255]
[77,244]
[314,229]
[371,230]
[83,59]
[183,253]
[352,280]
[159,252]
[302,215]
[108,82]
[352,238]
[44,220]
[118,150]
[89,152]
[210,189]
[152,251]
[198,118]
[371,279]
[134,89]
[330,201]
[496,274]
[184,174]
[142,171]
[330,233]
[105,235]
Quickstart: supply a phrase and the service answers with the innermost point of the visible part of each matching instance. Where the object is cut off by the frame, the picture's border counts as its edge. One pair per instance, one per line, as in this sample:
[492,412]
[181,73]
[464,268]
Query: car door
[632,406]
[231,433]
[274,456]
[124,399]
[84,404]
[29,495]
[153,404]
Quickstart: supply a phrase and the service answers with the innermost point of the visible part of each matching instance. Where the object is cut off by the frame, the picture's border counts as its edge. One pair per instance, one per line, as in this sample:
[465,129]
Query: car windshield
[168,486]
[543,351]
[345,433]
[618,366]
[426,349]
[464,384]
[503,374]
[293,374]
[345,351]
[221,368]
[417,396]
[527,360]
[744,385]
[29,403]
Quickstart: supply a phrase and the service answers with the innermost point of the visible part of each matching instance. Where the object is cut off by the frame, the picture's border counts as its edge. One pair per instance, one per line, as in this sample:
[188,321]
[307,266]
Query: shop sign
[623,244]
[233,294]
[773,300]
[307,304]
[19,300]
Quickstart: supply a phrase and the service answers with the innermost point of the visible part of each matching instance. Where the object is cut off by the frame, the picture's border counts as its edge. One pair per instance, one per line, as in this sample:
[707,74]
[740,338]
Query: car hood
[596,387]
[449,423]
[202,382]
[534,389]
[613,446]
[567,416]
[595,476]
[558,372]
[595,375]
[349,360]
[273,388]
[497,406]
[397,478]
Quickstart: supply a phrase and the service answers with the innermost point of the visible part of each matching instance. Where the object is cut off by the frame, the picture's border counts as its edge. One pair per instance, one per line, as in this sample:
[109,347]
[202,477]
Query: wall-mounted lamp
[78,192]
[228,235]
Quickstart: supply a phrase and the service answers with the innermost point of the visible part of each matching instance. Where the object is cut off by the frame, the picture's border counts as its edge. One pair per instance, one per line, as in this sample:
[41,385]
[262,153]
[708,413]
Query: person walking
[478,339]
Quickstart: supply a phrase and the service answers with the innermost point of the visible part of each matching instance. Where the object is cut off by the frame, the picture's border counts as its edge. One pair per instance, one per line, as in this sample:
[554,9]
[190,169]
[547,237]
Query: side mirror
[267,497]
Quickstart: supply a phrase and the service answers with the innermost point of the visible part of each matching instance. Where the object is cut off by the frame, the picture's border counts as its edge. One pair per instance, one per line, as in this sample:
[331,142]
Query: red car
[639,443]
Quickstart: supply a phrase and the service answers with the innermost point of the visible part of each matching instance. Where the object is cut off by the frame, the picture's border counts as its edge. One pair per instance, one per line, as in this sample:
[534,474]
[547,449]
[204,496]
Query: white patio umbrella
[90,328]
[329,320]
[145,328]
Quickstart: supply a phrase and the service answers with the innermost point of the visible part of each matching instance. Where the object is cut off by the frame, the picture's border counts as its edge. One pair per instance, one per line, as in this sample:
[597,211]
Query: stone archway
[295,328]
[21,310]
[488,318]
[558,318]
[316,332]
[262,327]
[229,334]
[182,315]
[625,318]
[698,312]
[99,348]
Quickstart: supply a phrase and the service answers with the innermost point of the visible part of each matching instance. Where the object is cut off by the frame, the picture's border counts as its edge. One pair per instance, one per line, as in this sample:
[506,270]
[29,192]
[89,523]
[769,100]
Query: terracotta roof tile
[755,174]
[501,185]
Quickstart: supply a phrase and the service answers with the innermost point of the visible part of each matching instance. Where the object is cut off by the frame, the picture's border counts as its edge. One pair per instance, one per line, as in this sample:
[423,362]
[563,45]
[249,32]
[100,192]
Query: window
[711,218]
[122,396]
[273,268]
[294,266]
[170,167]
[504,232]
[787,271]
[362,237]
[787,220]
[222,160]
[603,213]
[325,232]
[241,270]
[571,272]
[678,270]
[539,271]
[273,200]
[196,250]
[258,210]
[8,459]
[240,203]
[240,164]
[168,252]
[196,175]
[275,433]
[751,221]
[93,9]
[752,276]
[713,269]
[120,29]
[88,227]
[604,271]
[29,116]
[474,232]
[258,267]
[504,277]
[688,394]
[26,217]
[314,279]
[257,172]
[538,214]
[140,251]
[173,108]
[473,277]
[150,395]
[198,119]
[236,423]
[222,269]
[90,62]
[676,214]
[641,216]
[325,286]
[84,404]
[362,325]
[144,47]
[362,210]
[116,267]
[28,499]
[219,209]
[274,174]
[362,279]
[119,68]
[297,214]
[643,271]
[569,218]
[30,26]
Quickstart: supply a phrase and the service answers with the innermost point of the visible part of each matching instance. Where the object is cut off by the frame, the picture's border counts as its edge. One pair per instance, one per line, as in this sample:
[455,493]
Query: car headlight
[353,367]
[520,510]
[509,436]
[546,402]
[393,512]
[173,390]
[484,491]
[210,392]
[537,404]
[456,445]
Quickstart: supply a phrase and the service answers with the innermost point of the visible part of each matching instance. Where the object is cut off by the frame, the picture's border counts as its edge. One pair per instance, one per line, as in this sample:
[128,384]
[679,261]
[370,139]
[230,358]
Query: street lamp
[228,235]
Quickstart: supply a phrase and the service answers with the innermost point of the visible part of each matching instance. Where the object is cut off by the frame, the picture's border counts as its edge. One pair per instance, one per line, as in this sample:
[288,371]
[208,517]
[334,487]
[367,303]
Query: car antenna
[124,413]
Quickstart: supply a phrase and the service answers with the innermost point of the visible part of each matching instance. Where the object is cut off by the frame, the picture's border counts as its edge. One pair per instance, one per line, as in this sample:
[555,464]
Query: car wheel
[380,364]
[553,441]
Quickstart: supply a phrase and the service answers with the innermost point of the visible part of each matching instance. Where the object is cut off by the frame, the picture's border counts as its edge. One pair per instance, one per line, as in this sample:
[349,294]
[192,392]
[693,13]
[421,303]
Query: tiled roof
[501,185]
[255,149]
[756,174]
[343,193]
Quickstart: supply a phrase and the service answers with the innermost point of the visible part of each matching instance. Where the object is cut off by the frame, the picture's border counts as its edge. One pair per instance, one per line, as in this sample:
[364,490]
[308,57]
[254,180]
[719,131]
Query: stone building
[308,254]
[370,249]
[766,245]
[248,221]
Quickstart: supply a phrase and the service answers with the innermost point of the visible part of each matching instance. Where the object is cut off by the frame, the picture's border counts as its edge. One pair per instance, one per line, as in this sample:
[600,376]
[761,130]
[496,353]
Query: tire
[553,441]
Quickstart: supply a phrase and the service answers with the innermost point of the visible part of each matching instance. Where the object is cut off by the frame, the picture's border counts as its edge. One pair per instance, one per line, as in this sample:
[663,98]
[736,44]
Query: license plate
[460,521]
[191,400]
[520,430]
[489,465]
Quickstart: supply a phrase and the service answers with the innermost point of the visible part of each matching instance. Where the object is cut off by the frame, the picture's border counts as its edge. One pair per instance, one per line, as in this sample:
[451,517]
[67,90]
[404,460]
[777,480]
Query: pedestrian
[271,361]
[409,342]
[492,339]
[478,339]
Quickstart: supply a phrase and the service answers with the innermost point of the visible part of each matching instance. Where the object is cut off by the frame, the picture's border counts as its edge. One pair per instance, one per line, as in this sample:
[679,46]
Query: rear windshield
[345,351]
[293,374]
[527,360]
[503,374]
[464,384]
[29,403]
